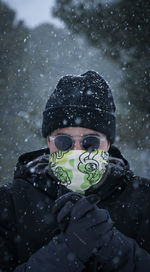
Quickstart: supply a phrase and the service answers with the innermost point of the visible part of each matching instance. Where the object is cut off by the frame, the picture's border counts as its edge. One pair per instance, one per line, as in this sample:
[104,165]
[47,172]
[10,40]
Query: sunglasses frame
[78,137]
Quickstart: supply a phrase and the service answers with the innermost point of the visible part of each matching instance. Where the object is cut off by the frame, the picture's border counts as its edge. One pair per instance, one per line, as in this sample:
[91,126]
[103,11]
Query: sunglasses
[89,143]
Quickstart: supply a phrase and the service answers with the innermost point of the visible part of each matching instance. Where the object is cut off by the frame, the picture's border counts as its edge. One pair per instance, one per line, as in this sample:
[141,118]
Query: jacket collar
[117,177]
[40,180]
[115,180]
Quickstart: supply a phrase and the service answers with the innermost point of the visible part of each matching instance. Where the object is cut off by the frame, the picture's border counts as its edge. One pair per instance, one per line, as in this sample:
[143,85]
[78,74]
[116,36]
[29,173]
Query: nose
[77,145]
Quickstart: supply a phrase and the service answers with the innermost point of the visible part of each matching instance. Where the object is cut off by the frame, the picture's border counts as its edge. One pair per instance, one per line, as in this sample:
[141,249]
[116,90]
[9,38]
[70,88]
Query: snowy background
[36,49]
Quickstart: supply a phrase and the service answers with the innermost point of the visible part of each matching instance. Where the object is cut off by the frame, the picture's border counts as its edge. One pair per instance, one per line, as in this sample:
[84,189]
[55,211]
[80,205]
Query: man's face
[77,133]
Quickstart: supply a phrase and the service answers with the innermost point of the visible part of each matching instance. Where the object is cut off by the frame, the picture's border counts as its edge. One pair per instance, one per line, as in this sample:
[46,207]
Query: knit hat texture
[81,101]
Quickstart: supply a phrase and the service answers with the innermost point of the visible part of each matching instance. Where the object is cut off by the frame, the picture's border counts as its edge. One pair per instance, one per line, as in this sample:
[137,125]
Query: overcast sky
[33,12]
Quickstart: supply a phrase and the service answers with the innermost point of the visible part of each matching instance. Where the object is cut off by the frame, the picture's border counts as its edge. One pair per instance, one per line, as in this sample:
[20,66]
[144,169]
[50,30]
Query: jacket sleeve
[8,234]
[53,257]
[123,254]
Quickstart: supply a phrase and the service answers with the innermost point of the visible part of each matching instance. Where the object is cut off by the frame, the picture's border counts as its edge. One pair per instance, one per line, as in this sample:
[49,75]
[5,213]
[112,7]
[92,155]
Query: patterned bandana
[78,170]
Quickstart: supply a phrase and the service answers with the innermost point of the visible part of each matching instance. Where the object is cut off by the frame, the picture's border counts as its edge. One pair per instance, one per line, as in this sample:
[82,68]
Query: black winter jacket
[27,225]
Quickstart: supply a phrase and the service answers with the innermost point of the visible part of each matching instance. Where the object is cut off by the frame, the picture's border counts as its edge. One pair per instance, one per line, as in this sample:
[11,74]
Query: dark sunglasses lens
[63,142]
[90,143]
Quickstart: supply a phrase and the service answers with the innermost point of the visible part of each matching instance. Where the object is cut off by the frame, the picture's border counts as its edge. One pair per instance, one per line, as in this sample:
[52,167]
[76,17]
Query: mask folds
[78,170]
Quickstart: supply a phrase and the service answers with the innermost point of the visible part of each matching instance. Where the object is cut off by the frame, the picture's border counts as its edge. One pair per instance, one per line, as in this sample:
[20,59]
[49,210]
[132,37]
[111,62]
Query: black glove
[85,228]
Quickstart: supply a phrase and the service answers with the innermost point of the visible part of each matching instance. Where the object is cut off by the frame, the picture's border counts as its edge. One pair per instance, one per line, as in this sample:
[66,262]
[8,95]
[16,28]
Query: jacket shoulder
[6,201]
[141,183]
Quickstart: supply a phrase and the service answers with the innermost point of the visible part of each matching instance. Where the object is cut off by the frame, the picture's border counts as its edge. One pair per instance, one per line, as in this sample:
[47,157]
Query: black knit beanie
[81,101]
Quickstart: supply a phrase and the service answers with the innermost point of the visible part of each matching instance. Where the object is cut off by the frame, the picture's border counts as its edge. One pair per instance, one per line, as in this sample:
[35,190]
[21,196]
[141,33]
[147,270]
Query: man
[76,206]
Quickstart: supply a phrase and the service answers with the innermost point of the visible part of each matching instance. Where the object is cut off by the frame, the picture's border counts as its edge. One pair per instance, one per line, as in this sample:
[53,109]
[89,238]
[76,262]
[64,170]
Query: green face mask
[78,170]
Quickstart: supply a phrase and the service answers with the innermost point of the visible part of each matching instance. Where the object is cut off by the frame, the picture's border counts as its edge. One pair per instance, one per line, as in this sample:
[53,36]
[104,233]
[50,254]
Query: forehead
[75,131]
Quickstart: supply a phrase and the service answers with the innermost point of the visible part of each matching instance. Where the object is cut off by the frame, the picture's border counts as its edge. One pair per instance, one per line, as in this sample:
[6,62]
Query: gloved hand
[85,228]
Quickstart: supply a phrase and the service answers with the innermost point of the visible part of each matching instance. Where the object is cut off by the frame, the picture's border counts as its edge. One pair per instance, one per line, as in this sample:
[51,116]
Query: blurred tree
[12,44]
[121,29]
[13,83]
[13,74]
